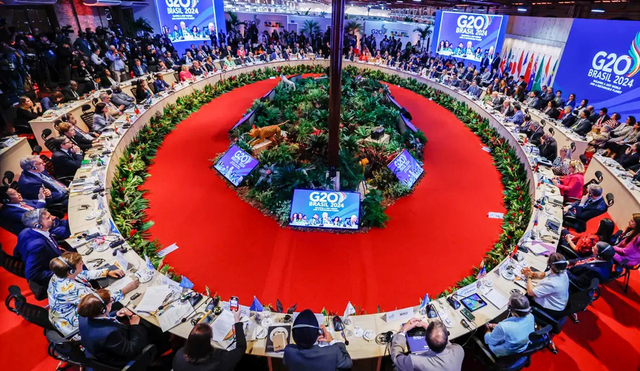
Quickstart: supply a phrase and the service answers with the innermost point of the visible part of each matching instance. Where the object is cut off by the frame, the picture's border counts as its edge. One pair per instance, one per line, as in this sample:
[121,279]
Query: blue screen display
[316,208]
[188,21]
[600,63]
[235,165]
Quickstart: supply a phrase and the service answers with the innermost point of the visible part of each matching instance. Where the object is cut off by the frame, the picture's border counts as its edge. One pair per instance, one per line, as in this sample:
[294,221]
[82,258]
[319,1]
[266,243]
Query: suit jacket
[316,358]
[597,118]
[139,71]
[111,342]
[66,164]
[69,95]
[11,219]
[81,141]
[30,184]
[36,251]
[569,120]
[590,210]
[517,118]
[219,360]
[583,127]
[581,275]
[450,359]
[628,160]
[549,149]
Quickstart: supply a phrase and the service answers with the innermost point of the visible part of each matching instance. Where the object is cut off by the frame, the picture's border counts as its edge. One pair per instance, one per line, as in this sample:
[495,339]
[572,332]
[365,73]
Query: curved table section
[80,216]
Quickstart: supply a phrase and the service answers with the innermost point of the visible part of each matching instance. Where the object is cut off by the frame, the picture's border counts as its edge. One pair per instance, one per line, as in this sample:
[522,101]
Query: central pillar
[335,87]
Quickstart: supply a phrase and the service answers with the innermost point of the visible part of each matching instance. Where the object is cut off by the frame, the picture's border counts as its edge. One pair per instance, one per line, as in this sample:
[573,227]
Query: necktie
[25,206]
[57,185]
[75,94]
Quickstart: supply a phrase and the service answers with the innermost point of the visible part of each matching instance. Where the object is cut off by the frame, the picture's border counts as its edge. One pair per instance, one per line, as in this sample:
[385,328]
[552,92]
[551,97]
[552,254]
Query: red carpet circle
[434,237]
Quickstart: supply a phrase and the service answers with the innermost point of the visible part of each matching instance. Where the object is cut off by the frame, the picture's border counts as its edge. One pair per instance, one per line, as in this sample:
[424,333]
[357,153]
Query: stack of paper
[153,298]
[496,298]
[173,315]
[222,325]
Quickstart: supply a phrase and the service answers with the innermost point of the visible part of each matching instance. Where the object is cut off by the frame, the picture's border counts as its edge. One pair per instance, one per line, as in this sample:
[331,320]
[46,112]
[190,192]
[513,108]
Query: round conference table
[84,211]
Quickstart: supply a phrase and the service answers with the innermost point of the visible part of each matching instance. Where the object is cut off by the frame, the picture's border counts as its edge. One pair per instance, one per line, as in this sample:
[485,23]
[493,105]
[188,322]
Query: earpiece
[104,306]
[72,270]
[37,224]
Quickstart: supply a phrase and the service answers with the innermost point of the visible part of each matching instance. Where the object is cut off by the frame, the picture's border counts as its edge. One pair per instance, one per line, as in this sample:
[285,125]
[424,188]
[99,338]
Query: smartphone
[233,303]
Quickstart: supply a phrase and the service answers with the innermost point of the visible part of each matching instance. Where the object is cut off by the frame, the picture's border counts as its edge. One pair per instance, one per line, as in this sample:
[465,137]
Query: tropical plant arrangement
[299,160]
[128,207]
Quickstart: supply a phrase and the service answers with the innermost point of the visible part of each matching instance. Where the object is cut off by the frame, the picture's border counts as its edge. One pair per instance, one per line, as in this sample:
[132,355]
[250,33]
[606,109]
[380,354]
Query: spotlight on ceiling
[597,10]
[522,9]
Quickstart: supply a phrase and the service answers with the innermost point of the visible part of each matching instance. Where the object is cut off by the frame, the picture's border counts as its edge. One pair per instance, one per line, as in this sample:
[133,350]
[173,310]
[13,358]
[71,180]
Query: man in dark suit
[14,207]
[548,147]
[590,206]
[601,118]
[36,247]
[34,177]
[569,117]
[584,125]
[66,158]
[315,349]
[630,157]
[495,63]
[107,81]
[139,69]
[103,337]
[71,92]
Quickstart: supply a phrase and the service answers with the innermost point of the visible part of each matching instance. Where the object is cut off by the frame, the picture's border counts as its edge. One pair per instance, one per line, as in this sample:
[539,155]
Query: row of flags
[536,68]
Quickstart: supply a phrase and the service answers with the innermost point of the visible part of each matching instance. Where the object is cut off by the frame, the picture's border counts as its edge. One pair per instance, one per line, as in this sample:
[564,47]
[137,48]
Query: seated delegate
[548,147]
[113,338]
[14,207]
[562,162]
[511,335]
[34,177]
[582,244]
[83,140]
[199,355]
[629,246]
[599,265]
[442,355]
[69,284]
[66,157]
[552,291]
[314,347]
[590,206]
[571,184]
[120,98]
[101,117]
[36,247]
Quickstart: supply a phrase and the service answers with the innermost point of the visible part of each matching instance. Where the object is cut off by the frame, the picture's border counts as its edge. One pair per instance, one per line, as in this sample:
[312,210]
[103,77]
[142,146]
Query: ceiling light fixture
[597,10]
[522,9]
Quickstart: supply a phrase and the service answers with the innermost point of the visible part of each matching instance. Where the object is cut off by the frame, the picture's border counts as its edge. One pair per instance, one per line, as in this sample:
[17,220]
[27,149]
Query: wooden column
[335,88]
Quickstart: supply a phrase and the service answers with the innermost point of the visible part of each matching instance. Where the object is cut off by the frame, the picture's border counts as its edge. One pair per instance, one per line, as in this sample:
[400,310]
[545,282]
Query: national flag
[185,283]
[505,60]
[256,306]
[514,252]
[425,301]
[553,72]
[537,81]
[112,227]
[533,74]
[349,310]
[524,64]
[527,73]
[546,72]
[520,62]
[137,110]
[481,273]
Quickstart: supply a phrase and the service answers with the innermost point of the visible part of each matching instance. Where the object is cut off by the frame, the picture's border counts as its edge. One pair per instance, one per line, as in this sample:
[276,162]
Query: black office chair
[87,116]
[552,131]
[48,141]
[580,225]
[597,180]
[62,348]
[579,300]
[8,180]
[11,264]
[626,274]
[538,340]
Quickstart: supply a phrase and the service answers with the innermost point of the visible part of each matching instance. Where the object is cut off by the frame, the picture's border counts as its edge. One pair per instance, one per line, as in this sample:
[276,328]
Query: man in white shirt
[96,60]
[552,292]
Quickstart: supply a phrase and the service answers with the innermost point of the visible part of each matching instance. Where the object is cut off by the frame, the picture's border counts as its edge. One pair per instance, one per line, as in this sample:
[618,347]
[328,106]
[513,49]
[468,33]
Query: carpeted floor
[235,250]
[607,337]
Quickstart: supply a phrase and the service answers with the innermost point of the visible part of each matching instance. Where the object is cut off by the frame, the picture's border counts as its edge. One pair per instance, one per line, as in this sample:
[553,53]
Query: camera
[66,29]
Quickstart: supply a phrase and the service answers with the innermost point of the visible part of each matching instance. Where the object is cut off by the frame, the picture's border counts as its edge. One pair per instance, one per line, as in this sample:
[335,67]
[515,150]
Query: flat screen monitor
[469,36]
[187,22]
[315,208]
[406,168]
[235,165]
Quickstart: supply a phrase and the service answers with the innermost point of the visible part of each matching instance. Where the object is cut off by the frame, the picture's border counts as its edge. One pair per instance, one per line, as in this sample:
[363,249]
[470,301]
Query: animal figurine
[265,133]
[290,84]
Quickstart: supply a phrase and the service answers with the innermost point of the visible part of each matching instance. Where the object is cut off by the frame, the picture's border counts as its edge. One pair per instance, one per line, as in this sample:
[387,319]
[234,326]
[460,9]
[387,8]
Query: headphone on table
[104,306]
[307,326]
[72,270]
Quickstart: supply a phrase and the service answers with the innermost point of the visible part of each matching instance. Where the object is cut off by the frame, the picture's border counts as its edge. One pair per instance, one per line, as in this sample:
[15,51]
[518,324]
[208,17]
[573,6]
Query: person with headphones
[113,338]
[442,355]
[14,206]
[599,265]
[199,355]
[66,157]
[314,348]
[36,247]
[552,291]
[70,283]
[511,335]
[34,177]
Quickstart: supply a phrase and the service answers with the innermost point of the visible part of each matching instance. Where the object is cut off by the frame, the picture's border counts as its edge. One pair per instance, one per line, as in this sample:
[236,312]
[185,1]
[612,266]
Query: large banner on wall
[402,31]
[191,21]
[467,35]
[603,69]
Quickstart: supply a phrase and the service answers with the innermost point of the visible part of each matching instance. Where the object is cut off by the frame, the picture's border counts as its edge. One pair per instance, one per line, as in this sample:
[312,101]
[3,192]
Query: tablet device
[473,302]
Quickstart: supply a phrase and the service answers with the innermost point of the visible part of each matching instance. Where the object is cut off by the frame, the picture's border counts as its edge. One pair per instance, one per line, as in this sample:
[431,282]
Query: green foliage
[310,27]
[373,214]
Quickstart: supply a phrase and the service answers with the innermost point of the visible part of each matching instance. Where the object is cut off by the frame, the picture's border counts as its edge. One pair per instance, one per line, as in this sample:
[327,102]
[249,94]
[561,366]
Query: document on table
[496,298]
[172,316]
[222,325]
[120,284]
[153,298]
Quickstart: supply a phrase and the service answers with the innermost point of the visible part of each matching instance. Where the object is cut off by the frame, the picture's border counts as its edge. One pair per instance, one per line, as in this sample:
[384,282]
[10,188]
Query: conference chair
[46,133]
[580,225]
[579,300]
[597,180]
[8,180]
[11,264]
[626,274]
[63,348]
[538,340]
[87,116]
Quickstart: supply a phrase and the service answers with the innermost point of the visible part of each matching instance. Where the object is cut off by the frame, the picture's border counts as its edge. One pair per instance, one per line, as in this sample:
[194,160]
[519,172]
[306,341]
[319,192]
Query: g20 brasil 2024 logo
[381,32]
[325,199]
[182,6]
[473,24]
[622,68]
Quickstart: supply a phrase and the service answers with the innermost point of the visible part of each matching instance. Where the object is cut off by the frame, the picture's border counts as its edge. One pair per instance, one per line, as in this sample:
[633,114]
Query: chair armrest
[141,362]
[543,316]
[484,350]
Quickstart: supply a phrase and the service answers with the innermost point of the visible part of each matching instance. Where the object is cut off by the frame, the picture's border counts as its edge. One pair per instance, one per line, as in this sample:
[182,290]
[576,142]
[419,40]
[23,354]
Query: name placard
[399,315]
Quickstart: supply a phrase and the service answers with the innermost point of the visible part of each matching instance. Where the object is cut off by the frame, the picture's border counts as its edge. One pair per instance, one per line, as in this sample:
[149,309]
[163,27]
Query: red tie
[25,206]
